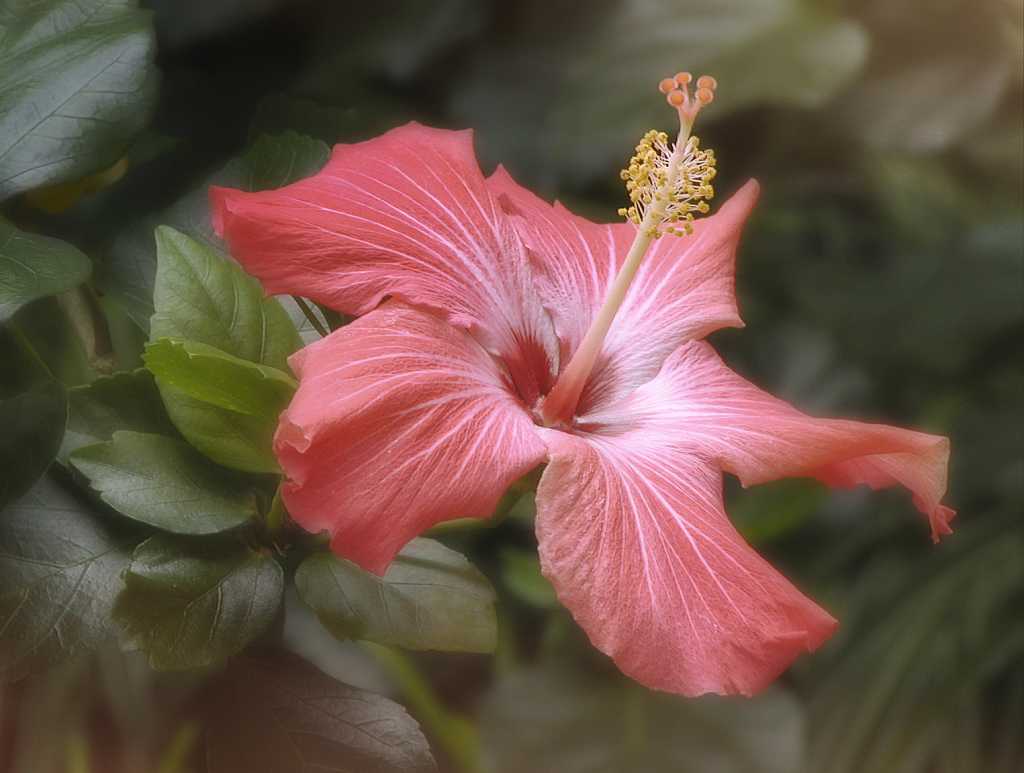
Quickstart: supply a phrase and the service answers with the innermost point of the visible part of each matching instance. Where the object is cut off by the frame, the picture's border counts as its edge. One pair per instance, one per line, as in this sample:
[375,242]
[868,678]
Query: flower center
[666,186]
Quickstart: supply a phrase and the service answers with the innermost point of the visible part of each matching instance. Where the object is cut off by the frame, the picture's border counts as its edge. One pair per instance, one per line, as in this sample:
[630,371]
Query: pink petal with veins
[400,421]
[684,289]
[697,399]
[634,537]
[407,215]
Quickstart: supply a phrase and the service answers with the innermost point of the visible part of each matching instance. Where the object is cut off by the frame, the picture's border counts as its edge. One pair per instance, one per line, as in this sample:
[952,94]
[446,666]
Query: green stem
[87,319]
[29,351]
[453,732]
[275,517]
[316,323]
[634,722]
[180,747]
[78,754]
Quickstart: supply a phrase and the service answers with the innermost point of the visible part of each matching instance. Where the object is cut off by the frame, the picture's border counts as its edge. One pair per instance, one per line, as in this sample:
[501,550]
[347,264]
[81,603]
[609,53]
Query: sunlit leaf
[272,711]
[202,297]
[232,438]
[60,571]
[213,376]
[76,85]
[189,603]
[33,266]
[165,483]
[429,598]
[31,427]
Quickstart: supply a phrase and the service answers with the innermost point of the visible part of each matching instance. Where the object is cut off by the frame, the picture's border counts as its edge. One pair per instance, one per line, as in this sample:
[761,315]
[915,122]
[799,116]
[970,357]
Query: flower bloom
[472,295]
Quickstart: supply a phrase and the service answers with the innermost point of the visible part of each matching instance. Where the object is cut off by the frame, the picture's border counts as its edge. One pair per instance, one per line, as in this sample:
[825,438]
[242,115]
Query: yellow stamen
[666,187]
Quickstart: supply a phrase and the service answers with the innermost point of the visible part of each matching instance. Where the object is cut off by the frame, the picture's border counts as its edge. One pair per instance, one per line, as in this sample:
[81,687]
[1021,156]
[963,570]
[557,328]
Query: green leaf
[122,401]
[273,162]
[282,117]
[234,439]
[199,296]
[165,483]
[76,85]
[128,270]
[213,376]
[60,572]
[429,598]
[520,570]
[271,711]
[31,427]
[190,603]
[33,266]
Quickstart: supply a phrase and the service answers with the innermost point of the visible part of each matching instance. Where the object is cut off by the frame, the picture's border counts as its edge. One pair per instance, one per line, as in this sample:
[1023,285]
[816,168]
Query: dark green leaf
[234,439]
[31,427]
[189,603]
[429,598]
[60,571]
[110,403]
[33,266]
[165,483]
[128,270]
[273,162]
[273,712]
[202,297]
[76,85]
[282,116]
[213,376]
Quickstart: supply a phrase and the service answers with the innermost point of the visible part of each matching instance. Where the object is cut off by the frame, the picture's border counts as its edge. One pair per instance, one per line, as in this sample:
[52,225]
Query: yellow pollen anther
[667,185]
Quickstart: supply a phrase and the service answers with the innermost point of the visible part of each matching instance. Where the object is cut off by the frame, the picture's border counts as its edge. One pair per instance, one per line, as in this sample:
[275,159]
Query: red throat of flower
[666,186]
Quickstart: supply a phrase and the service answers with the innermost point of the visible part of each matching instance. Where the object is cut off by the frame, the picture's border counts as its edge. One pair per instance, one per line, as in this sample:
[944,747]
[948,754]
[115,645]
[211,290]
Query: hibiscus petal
[634,537]
[699,400]
[407,215]
[400,422]
[684,289]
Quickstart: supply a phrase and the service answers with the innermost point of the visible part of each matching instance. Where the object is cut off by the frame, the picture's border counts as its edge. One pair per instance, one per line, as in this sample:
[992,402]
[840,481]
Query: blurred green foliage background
[881,278]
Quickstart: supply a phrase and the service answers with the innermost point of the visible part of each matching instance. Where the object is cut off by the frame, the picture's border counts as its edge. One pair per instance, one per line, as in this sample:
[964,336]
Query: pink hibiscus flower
[473,295]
